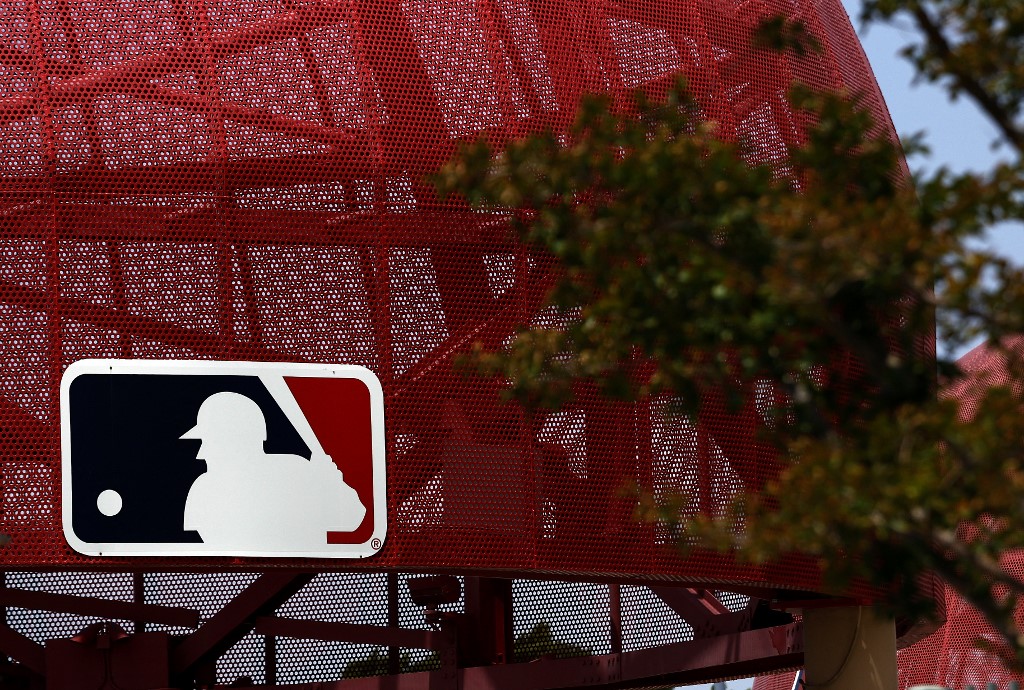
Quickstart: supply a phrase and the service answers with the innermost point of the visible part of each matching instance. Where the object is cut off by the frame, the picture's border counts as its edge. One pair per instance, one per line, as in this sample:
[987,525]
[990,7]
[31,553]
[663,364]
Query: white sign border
[370,547]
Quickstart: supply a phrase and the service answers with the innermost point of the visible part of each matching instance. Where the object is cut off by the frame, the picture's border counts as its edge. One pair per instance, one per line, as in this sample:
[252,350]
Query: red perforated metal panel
[244,180]
[964,651]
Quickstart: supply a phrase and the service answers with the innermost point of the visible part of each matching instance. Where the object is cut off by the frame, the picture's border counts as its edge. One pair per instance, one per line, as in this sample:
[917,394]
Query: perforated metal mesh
[47,625]
[778,681]
[964,650]
[562,618]
[245,180]
[954,656]
[332,597]
[586,627]
[647,621]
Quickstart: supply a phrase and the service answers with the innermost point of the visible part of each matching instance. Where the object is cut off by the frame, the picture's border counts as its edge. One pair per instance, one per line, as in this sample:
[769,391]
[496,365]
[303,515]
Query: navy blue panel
[125,431]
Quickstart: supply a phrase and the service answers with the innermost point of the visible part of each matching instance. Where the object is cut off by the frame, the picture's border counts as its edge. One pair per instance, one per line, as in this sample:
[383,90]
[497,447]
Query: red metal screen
[964,651]
[576,616]
[244,180]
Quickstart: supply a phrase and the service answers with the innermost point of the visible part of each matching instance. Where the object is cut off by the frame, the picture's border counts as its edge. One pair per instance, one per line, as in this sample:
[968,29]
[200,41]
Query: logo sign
[222,459]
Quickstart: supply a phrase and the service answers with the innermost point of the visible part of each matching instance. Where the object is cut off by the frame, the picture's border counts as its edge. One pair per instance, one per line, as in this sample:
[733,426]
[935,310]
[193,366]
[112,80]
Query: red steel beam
[276,227]
[522,298]
[201,342]
[236,619]
[263,119]
[746,653]
[348,632]
[315,76]
[486,631]
[29,654]
[692,604]
[87,84]
[703,611]
[102,608]
[387,47]
[356,158]
[123,79]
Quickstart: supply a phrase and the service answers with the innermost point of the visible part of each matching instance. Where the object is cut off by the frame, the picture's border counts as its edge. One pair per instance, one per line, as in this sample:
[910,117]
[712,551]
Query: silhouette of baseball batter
[251,500]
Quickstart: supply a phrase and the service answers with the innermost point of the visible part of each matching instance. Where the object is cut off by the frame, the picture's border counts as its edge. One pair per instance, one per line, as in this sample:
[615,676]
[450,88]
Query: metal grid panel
[779,681]
[206,593]
[41,626]
[732,600]
[311,661]
[647,621]
[245,180]
[952,657]
[245,659]
[331,597]
[576,614]
[550,619]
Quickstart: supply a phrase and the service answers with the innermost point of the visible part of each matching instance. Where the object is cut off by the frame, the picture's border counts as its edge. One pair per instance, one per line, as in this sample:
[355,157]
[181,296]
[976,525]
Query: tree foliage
[688,268]
[540,643]
[376,664]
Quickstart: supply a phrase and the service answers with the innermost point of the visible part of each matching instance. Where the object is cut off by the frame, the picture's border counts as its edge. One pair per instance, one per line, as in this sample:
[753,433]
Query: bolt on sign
[179,458]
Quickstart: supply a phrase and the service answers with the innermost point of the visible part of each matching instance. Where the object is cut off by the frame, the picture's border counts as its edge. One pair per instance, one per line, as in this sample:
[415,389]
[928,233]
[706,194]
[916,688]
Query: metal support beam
[703,611]
[236,619]
[104,222]
[487,635]
[29,654]
[72,91]
[106,317]
[270,659]
[746,653]
[101,608]
[394,652]
[138,579]
[349,632]
[615,617]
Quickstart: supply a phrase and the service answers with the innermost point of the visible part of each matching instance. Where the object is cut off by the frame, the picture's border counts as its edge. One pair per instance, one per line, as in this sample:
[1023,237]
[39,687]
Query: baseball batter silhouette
[249,499]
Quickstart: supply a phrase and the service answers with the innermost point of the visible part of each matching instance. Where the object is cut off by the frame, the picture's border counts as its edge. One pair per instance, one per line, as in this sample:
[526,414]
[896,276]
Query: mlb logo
[177,458]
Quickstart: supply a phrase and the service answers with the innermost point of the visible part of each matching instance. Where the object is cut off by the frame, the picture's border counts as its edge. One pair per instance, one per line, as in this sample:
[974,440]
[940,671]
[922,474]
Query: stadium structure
[964,651]
[246,181]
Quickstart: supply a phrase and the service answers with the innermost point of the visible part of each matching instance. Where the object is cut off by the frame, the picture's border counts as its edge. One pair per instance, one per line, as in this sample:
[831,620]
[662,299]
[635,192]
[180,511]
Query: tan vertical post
[849,648]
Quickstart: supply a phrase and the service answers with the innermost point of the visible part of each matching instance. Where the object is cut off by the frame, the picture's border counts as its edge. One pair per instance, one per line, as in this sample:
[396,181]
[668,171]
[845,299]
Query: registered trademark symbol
[375,544]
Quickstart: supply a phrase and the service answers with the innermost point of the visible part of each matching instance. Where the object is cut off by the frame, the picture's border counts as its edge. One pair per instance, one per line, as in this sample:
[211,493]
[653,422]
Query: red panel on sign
[339,412]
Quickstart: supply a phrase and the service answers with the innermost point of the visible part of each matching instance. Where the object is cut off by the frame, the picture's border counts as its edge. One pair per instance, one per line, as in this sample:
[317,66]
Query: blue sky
[959,136]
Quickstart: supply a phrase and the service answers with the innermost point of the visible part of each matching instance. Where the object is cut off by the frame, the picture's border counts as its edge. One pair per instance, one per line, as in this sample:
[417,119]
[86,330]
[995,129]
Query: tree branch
[991,568]
[965,80]
[1000,617]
